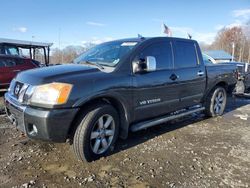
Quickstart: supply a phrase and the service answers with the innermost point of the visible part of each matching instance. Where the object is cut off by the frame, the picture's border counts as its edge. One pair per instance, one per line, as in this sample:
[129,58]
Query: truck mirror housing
[144,65]
[151,63]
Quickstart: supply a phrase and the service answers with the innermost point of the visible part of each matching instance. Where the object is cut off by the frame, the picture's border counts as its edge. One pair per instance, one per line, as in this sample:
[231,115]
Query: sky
[77,22]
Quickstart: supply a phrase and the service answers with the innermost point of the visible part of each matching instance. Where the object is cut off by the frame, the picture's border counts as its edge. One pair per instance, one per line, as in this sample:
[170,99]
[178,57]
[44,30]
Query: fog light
[32,130]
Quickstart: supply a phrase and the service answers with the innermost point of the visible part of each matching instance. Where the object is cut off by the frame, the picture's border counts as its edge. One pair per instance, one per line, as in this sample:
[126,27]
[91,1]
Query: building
[219,55]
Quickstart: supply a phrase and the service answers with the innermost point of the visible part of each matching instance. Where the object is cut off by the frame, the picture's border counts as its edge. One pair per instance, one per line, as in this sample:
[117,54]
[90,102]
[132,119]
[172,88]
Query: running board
[157,121]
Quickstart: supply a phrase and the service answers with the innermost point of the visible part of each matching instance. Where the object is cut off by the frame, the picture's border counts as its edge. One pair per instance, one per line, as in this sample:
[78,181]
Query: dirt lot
[192,152]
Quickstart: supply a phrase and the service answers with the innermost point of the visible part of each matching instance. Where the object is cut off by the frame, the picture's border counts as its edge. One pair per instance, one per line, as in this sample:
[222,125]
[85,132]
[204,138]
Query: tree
[66,55]
[238,36]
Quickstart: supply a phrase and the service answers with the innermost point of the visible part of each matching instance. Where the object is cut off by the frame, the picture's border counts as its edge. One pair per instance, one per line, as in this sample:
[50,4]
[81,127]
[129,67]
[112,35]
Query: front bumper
[51,124]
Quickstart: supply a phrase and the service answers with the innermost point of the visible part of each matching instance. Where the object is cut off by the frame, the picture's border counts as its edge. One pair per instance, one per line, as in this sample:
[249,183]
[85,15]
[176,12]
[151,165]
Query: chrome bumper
[15,112]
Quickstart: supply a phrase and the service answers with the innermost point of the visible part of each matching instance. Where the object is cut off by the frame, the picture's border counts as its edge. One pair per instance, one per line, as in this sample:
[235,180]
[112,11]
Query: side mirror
[144,65]
[151,63]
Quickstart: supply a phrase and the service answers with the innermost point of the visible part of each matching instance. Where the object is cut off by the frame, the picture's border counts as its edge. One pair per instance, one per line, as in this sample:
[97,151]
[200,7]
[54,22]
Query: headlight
[54,93]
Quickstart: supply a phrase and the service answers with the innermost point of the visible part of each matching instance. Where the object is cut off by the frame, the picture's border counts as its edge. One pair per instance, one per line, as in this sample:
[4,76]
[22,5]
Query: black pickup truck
[117,87]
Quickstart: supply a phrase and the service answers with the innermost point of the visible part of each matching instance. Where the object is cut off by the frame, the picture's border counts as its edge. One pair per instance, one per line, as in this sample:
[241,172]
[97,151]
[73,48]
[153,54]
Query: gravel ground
[191,152]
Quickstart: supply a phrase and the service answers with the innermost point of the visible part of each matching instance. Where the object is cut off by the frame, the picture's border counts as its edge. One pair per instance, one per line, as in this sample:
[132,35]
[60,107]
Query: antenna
[140,36]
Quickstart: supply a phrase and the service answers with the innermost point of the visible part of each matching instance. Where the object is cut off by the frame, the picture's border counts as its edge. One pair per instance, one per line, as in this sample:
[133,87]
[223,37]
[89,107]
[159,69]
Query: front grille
[17,90]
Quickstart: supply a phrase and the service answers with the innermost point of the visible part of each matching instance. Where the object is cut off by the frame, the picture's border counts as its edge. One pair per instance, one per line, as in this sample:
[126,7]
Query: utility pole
[240,55]
[249,55]
[243,49]
[233,46]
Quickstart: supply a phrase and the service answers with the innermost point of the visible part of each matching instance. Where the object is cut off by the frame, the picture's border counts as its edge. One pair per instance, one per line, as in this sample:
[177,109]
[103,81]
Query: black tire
[83,144]
[211,104]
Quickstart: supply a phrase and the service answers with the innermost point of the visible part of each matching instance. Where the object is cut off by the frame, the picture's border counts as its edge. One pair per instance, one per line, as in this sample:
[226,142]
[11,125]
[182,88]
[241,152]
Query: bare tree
[237,36]
[66,55]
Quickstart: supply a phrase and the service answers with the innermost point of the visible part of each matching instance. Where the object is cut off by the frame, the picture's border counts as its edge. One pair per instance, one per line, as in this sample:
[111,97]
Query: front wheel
[96,133]
[216,102]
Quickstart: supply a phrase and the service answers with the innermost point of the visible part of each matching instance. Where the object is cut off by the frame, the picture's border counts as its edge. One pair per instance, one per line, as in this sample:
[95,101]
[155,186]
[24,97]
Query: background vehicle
[123,85]
[15,47]
[37,63]
[208,60]
[243,77]
[10,66]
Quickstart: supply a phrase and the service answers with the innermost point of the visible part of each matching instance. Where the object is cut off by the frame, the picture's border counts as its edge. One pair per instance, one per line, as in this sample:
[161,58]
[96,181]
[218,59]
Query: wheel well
[102,100]
[222,84]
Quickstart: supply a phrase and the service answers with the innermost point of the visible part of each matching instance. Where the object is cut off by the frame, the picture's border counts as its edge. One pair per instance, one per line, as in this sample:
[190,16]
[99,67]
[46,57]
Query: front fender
[115,99]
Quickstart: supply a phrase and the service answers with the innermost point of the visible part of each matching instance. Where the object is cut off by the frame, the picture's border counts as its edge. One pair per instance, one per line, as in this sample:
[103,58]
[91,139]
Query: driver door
[154,92]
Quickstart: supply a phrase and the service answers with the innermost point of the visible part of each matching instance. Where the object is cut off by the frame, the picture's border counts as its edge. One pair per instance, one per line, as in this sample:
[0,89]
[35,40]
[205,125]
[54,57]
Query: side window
[9,50]
[19,61]
[162,51]
[2,63]
[185,54]
[10,63]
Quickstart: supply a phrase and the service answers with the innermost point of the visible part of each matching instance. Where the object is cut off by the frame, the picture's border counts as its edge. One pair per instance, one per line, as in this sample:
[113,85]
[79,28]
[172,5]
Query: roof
[25,44]
[141,39]
[218,54]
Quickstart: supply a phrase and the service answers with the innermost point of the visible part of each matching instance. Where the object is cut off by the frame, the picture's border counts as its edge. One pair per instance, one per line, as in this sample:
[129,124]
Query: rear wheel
[216,102]
[96,133]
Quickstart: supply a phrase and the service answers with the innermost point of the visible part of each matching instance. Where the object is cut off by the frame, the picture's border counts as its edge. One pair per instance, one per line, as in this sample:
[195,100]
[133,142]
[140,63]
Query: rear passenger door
[190,72]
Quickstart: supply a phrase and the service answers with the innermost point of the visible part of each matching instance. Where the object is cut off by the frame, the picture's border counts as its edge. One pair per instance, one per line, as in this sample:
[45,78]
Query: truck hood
[54,73]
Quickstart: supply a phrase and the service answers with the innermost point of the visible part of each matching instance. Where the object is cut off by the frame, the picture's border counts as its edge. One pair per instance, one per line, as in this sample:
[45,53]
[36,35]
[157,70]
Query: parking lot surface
[190,152]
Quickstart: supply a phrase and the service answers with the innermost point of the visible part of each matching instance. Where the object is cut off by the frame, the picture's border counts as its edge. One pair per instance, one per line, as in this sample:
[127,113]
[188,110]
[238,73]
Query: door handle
[16,70]
[200,73]
[173,77]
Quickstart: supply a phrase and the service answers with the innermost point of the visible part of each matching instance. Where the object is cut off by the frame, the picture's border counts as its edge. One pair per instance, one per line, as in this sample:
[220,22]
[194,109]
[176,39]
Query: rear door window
[185,54]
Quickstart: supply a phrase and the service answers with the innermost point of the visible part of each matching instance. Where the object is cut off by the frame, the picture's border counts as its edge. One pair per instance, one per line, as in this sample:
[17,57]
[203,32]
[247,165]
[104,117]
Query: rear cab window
[185,54]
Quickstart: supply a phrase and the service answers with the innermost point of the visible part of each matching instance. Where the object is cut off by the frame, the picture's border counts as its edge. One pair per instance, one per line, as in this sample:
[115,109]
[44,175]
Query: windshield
[106,54]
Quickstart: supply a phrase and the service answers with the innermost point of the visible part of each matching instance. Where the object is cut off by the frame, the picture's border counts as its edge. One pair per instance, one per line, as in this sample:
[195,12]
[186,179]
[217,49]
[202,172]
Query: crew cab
[10,65]
[117,87]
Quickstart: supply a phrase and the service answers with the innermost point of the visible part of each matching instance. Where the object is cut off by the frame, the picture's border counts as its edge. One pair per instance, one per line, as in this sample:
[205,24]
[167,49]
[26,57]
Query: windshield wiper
[92,63]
